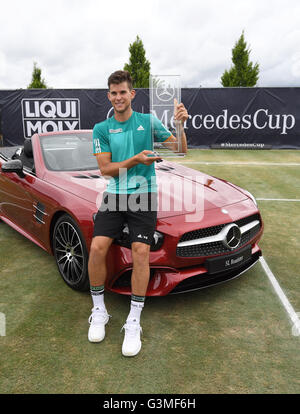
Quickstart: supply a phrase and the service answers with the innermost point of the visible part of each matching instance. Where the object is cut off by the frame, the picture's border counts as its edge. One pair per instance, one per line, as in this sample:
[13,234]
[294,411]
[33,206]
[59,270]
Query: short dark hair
[120,76]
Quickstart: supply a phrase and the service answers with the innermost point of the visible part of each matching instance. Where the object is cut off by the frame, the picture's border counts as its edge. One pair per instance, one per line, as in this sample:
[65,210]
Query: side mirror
[13,166]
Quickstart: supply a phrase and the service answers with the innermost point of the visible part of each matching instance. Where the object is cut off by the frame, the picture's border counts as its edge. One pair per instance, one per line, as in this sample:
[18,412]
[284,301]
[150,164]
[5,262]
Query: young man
[123,147]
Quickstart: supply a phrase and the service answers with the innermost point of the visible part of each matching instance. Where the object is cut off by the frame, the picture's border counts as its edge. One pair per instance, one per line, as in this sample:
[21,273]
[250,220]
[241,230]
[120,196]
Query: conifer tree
[243,72]
[138,66]
[37,82]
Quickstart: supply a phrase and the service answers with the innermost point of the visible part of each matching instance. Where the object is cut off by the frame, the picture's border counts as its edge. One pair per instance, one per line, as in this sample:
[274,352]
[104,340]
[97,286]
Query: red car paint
[63,192]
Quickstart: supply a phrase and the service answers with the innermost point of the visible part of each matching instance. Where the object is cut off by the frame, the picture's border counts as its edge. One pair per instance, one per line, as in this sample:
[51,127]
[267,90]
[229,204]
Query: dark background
[281,104]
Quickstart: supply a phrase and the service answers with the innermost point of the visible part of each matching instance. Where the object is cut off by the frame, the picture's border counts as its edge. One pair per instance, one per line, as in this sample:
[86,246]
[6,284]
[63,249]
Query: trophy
[165,94]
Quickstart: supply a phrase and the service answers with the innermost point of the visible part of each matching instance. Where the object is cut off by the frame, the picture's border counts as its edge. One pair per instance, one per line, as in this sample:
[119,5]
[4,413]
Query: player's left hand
[180,112]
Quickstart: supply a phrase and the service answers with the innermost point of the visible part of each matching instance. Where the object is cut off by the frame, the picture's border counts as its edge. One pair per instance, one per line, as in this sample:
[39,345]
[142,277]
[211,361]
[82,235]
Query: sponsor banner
[49,115]
[226,118]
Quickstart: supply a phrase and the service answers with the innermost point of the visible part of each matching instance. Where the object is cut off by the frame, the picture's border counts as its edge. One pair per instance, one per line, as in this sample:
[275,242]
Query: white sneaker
[97,321]
[132,341]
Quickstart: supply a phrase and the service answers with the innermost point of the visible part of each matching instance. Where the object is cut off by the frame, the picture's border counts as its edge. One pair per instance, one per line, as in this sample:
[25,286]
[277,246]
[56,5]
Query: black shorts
[138,211]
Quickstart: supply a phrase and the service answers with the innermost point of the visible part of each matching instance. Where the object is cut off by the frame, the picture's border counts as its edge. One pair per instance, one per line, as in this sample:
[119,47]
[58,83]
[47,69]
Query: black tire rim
[69,252]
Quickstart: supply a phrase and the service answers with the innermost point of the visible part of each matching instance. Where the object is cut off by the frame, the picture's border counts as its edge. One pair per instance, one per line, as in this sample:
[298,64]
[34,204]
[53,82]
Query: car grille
[216,247]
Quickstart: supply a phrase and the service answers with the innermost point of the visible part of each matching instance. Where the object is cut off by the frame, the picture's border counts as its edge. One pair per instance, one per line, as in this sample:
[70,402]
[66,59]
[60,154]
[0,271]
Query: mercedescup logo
[261,119]
[50,115]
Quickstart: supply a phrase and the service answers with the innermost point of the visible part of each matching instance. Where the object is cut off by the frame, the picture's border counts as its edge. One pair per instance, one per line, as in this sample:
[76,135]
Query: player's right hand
[147,157]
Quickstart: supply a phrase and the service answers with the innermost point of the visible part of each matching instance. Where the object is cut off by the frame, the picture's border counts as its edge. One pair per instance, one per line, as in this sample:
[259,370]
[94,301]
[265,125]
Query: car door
[15,199]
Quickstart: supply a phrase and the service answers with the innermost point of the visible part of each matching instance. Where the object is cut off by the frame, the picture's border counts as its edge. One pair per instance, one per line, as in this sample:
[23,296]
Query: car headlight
[158,239]
[252,198]
[247,193]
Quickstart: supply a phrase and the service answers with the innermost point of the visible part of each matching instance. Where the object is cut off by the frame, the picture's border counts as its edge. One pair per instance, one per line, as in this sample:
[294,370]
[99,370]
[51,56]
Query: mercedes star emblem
[232,236]
[164,93]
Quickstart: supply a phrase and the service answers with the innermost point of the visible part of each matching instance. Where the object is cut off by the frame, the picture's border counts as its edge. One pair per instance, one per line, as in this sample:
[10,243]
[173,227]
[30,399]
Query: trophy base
[166,154]
[181,155]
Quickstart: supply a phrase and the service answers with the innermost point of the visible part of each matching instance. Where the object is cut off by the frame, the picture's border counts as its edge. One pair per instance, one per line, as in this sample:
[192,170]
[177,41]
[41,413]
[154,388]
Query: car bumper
[166,280]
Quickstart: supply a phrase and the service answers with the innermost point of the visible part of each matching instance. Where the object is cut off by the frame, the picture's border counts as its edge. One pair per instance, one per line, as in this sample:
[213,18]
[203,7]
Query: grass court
[233,338]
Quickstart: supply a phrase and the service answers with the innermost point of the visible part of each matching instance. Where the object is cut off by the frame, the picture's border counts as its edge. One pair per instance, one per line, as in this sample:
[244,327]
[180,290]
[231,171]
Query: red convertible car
[207,228]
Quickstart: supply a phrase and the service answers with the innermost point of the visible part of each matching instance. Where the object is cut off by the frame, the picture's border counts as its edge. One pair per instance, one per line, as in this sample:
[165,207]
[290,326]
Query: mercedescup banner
[218,117]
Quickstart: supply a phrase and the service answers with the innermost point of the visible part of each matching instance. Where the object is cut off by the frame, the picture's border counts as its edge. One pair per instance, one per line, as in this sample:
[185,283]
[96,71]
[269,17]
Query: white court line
[284,164]
[284,300]
[278,199]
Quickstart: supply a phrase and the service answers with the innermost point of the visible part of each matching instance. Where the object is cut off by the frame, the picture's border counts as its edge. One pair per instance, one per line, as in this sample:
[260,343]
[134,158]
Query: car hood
[181,190]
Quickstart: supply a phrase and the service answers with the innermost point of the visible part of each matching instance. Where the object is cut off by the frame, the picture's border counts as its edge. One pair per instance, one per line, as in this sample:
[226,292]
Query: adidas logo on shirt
[140,128]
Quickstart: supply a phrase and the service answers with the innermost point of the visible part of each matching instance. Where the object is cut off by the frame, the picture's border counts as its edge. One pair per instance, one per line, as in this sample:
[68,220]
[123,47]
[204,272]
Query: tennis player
[124,150]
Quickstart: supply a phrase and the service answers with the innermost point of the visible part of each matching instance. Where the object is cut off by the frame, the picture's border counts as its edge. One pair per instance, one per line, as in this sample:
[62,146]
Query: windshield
[71,152]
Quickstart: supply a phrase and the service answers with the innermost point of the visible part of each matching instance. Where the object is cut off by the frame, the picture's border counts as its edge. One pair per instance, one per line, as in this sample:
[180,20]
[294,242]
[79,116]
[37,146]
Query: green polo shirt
[124,140]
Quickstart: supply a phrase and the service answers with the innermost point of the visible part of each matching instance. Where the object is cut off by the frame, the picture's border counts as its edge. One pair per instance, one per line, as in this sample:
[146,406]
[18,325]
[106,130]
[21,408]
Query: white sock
[97,294]
[136,307]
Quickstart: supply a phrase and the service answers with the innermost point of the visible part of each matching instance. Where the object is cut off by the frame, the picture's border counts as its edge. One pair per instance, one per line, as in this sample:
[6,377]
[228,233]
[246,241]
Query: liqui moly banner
[44,115]
[218,117]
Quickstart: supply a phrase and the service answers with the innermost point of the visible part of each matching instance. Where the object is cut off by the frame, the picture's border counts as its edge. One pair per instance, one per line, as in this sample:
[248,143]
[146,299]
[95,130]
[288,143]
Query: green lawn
[231,338]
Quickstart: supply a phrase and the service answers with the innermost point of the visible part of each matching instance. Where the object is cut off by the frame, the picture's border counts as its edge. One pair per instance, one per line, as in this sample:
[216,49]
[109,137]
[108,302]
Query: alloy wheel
[69,252]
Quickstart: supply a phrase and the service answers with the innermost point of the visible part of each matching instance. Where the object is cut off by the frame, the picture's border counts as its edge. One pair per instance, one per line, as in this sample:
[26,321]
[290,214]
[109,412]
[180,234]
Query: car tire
[70,253]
